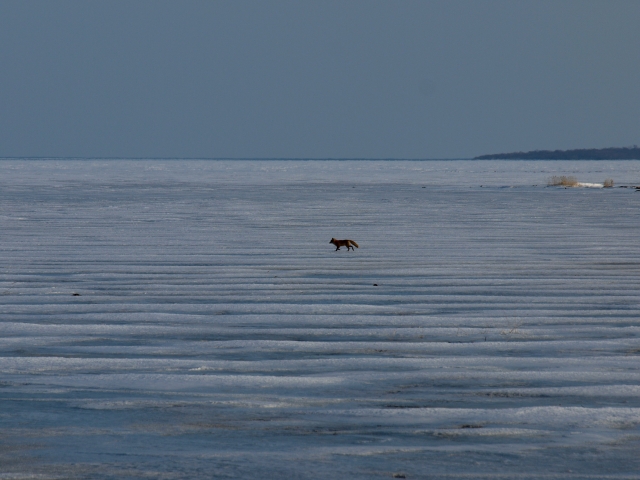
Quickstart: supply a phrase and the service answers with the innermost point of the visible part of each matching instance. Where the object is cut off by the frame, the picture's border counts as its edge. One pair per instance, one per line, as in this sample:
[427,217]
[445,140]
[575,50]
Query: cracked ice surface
[217,334]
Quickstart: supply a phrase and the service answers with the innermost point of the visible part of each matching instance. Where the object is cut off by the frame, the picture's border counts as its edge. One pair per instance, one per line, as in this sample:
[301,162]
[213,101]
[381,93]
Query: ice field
[189,319]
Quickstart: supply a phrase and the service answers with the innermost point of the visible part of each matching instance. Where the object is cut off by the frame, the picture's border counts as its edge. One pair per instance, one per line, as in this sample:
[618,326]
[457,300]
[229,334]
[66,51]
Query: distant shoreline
[613,153]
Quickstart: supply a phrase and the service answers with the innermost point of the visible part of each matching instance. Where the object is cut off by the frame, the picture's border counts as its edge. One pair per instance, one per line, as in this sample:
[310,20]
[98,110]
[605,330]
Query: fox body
[344,243]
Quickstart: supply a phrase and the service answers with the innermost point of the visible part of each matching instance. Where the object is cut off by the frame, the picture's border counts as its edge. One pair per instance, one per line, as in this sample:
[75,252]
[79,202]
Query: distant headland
[624,153]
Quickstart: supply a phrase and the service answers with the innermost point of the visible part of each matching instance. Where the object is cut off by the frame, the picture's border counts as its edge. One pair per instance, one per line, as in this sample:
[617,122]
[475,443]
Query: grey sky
[411,79]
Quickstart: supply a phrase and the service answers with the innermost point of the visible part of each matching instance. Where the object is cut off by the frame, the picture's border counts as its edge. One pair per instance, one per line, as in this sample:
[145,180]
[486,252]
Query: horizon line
[377,159]
[28,157]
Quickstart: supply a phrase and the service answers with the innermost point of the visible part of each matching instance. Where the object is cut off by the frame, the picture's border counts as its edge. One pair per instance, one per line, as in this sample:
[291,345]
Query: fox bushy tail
[354,243]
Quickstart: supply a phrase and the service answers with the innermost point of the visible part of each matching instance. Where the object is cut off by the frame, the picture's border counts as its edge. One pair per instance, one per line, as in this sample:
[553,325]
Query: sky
[316,79]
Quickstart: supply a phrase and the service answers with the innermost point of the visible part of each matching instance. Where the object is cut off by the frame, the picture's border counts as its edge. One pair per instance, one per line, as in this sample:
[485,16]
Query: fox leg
[337,248]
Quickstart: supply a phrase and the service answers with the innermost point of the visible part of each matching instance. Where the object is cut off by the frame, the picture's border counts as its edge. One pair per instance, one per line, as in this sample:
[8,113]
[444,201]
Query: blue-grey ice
[189,319]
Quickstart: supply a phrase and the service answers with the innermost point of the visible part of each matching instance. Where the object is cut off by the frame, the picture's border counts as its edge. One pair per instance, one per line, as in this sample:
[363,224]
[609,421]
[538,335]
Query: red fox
[344,243]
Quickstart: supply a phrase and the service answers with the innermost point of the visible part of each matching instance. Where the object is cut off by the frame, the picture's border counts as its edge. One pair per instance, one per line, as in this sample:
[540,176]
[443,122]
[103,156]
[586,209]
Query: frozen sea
[189,319]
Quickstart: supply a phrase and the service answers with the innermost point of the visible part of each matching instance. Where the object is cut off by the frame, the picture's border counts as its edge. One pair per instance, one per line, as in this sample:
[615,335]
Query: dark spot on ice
[75,294]
[399,475]
[375,284]
[470,426]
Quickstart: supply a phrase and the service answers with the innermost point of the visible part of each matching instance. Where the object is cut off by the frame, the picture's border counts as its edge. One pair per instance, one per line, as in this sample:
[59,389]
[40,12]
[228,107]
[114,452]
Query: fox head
[333,240]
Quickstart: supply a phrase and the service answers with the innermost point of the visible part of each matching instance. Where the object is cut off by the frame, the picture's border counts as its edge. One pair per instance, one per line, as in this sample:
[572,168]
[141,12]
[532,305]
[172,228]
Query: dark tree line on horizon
[613,153]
